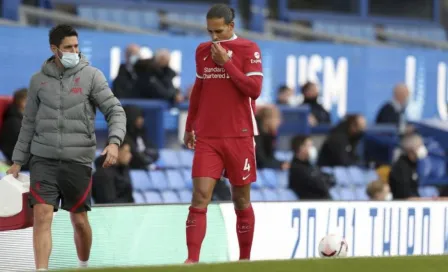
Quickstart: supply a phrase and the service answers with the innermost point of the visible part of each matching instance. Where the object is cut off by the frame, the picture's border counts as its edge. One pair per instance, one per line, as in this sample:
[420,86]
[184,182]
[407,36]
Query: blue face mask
[69,60]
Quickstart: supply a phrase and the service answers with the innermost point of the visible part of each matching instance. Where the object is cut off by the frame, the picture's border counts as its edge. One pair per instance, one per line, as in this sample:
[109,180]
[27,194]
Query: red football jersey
[225,95]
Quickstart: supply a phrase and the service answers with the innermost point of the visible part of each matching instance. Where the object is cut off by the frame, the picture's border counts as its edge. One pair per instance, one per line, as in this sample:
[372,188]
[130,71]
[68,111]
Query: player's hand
[111,152]
[219,54]
[189,140]
[14,170]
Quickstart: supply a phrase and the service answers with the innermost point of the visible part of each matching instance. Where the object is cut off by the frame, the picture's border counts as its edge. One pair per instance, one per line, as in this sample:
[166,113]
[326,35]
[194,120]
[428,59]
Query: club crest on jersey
[230,53]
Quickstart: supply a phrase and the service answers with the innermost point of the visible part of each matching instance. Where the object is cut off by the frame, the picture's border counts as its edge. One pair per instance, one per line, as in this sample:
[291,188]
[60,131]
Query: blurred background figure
[113,185]
[12,122]
[379,190]
[318,115]
[340,147]
[123,84]
[285,96]
[305,179]
[268,119]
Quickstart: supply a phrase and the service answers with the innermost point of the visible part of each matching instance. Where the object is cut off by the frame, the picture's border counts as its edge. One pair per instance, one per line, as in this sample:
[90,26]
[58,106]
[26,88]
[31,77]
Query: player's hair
[374,187]
[20,95]
[307,86]
[298,141]
[219,11]
[60,32]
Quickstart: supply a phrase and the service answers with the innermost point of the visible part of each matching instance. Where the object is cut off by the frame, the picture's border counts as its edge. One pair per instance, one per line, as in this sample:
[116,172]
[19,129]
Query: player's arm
[21,152]
[249,81]
[194,97]
[110,107]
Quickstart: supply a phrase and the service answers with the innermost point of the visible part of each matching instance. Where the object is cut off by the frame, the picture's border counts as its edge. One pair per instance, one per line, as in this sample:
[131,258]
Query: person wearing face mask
[305,179]
[57,137]
[340,147]
[123,84]
[285,96]
[318,115]
[403,177]
[379,190]
[268,120]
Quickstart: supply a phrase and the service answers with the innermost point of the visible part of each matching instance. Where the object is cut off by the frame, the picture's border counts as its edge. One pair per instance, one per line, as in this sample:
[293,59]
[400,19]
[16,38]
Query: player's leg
[44,198]
[207,169]
[240,165]
[76,184]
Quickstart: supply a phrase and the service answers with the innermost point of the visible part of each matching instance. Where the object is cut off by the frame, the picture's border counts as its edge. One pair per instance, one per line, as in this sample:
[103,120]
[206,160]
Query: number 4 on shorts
[246,165]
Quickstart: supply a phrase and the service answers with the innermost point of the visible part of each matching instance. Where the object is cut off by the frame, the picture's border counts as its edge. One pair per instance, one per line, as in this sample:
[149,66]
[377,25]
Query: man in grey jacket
[58,137]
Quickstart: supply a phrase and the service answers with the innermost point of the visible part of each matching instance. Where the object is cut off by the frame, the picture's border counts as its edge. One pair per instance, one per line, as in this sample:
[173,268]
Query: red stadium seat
[5,101]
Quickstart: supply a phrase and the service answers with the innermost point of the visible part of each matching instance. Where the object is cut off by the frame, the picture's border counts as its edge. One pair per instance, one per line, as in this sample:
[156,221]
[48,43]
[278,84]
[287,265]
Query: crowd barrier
[155,234]
[352,78]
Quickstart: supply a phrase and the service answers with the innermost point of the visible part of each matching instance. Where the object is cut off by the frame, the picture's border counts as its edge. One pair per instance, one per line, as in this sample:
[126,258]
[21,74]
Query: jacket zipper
[86,115]
[61,111]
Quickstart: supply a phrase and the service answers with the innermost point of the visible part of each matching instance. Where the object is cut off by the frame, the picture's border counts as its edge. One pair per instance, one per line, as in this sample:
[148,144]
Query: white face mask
[312,154]
[389,197]
[422,152]
[69,60]
[133,59]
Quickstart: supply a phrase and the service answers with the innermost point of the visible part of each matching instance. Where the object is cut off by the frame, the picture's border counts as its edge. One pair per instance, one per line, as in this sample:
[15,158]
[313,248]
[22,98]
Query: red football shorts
[235,156]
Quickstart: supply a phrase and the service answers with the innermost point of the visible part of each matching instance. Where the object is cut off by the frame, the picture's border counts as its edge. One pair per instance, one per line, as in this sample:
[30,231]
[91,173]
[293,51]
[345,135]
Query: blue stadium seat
[269,178]
[347,194]
[256,195]
[138,197]
[270,195]
[438,169]
[428,191]
[2,156]
[169,158]
[327,170]
[186,158]
[140,180]
[86,12]
[283,155]
[176,180]
[371,175]
[170,197]
[186,173]
[357,175]
[259,183]
[158,180]
[185,196]
[150,20]
[342,177]
[153,197]
[286,195]
[282,178]
[334,193]
[360,193]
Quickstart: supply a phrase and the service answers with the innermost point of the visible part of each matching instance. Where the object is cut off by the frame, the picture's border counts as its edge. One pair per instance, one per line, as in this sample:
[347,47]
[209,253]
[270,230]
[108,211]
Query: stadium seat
[371,175]
[347,194]
[25,173]
[283,155]
[341,175]
[282,178]
[360,193]
[159,180]
[259,183]
[256,195]
[286,195]
[334,193]
[138,197]
[153,197]
[438,167]
[140,180]
[169,158]
[185,196]
[327,170]
[175,180]
[170,197]
[428,191]
[270,195]
[357,175]
[186,173]
[186,158]
[269,178]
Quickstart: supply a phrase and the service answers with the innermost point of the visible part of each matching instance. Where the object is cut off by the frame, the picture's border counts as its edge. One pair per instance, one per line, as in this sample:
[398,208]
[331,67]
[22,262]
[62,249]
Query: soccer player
[58,131]
[221,126]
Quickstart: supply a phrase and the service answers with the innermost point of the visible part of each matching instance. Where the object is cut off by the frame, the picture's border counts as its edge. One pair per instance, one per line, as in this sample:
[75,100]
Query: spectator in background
[305,179]
[123,84]
[113,184]
[12,122]
[318,114]
[269,120]
[144,153]
[379,190]
[285,96]
[403,177]
[393,112]
[340,147]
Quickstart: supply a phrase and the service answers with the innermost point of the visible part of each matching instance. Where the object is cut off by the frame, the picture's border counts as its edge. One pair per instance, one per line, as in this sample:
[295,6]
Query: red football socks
[195,228]
[245,223]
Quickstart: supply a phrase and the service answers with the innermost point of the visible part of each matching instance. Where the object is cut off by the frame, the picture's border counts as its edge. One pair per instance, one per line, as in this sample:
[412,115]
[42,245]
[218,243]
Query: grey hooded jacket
[59,118]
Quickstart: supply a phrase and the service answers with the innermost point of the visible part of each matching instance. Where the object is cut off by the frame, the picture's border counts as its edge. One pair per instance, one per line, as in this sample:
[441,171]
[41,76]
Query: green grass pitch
[383,264]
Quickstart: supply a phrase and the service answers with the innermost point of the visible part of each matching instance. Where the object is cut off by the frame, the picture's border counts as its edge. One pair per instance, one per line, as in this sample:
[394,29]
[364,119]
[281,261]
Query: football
[333,246]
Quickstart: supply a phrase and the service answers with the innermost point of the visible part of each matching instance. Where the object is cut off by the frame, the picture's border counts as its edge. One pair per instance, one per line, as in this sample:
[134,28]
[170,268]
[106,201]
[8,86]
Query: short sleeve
[252,62]
[198,68]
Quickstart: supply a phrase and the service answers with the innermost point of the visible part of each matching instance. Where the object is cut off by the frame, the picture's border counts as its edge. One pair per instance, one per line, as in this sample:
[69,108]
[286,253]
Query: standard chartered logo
[331,74]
